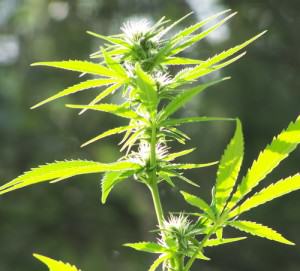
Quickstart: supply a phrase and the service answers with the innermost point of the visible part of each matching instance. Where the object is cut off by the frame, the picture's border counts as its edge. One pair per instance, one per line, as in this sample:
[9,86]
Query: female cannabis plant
[136,64]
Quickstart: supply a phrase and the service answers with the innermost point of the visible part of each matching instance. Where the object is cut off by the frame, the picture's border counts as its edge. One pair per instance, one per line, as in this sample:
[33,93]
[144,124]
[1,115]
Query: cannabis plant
[136,64]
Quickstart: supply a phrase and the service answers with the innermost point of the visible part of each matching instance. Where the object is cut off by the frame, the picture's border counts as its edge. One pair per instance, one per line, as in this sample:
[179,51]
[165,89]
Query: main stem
[152,182]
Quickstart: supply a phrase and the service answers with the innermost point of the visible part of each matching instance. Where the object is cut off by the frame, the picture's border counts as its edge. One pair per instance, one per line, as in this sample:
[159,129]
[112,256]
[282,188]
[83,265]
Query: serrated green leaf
[181,61]
[191,29]
[229,168]
[159,261]
[173,156]
[54,265]
[268,159]
[165,177]
[102,95]
[259,230]
[200,255]
[61,170]
[228,53]
[193,39]
[187,180]
[146,88]
[114,65]
[78,66]
[112,40]
[110,179]
[210,64]
[119,110]
[167,29]
[76,88]
[217,242]
[147,247]
[185,96]
[191,75]
[132,139]
[107,133]
[275,190]
[198,203]
[175,122]
[190,166]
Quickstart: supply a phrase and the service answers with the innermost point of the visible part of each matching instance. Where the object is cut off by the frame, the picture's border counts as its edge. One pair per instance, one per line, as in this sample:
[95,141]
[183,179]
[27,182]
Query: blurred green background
[66,221]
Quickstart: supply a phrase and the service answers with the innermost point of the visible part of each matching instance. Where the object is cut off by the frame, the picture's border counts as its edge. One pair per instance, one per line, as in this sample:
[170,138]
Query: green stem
[157,204]
[194,257]
[153,177]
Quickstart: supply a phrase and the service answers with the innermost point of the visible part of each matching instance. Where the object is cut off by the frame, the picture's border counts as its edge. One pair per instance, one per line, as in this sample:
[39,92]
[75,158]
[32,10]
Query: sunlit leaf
[198,203]
[78,66]
[268,159]
[101,96]
[61,170]
[110,179]
[229,168]
[147,247]
[119,110]
[269,193]
[76,88]
[54,265]
[175,122]
[185,96]
[107,133]
[217,242]
[259,230]
[159,261]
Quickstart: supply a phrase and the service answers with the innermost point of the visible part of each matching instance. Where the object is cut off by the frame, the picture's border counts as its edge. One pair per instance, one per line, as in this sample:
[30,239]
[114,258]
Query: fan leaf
[229,168]
[268,159]
[149,247]
[61,170]
[76,88]
[119,110]
[54,265]
[107,133]
[198,203]
[259,230]
[217,242]
[78,66]
[184,97]
[269,193]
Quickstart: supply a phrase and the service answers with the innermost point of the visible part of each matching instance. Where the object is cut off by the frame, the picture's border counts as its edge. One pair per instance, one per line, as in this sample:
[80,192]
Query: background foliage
[67,221]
